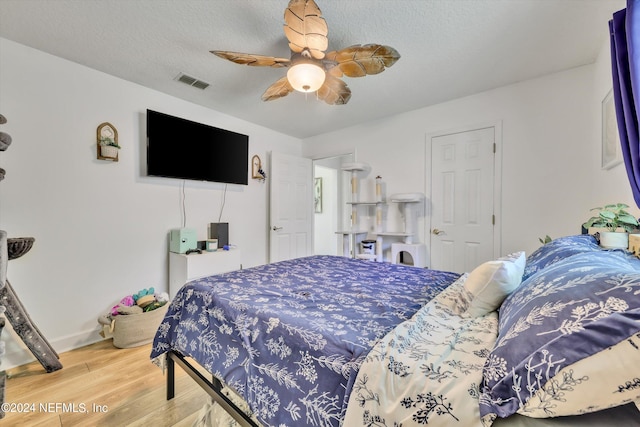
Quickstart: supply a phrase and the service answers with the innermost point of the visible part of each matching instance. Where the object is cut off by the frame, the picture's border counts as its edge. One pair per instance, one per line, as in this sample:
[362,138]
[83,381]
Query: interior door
[462,192]
[291,207]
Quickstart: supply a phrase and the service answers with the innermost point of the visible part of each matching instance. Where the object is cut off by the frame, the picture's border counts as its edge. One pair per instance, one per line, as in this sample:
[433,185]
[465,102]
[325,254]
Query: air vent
[192,81]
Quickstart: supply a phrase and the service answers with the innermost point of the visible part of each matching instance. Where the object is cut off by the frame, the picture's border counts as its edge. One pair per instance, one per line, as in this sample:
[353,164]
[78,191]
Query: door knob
[276,228]
[437,232]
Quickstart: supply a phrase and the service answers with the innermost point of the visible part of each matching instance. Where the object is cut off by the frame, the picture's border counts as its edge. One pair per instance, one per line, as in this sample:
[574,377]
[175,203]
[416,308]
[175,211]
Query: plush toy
[142,293]
[144,297]
[162,297]
[145,300]
[124,309]
[159,299]
[127,301]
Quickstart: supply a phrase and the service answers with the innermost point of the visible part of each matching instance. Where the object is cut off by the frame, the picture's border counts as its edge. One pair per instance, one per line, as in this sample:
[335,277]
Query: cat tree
[416,252]
[352,237]
[10,304]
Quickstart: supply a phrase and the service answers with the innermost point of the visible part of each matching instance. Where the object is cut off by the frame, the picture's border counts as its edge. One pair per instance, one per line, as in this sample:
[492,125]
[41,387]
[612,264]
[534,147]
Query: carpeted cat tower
[10,305]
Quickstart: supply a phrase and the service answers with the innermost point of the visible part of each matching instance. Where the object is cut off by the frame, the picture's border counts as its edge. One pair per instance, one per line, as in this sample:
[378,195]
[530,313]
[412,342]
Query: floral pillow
[569,340]
[557,250]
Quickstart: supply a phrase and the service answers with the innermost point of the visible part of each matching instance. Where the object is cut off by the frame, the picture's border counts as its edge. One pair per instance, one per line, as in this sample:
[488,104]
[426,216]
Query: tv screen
[180,148]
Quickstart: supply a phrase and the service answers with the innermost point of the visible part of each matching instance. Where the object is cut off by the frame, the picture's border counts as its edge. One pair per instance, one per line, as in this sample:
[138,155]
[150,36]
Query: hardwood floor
[100,385]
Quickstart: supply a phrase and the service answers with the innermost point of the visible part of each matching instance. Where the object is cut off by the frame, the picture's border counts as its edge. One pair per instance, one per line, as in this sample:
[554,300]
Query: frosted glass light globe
[306,77]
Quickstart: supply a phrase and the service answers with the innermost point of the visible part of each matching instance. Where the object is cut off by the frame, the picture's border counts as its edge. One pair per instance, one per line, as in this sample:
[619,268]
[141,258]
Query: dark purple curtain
[625,64]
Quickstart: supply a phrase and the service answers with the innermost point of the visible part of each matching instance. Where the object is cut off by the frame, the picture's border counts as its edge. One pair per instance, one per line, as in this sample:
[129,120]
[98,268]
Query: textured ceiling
[449,48]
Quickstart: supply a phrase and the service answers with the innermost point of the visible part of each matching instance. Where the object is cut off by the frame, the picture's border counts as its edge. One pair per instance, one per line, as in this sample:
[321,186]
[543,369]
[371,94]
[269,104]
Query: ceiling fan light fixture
[306,30]
[306,77]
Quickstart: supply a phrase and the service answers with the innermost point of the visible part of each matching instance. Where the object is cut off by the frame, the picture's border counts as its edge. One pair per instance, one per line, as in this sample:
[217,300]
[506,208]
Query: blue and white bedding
[569,336]
[428,370]
[289,337]
[300,339]
[568,343]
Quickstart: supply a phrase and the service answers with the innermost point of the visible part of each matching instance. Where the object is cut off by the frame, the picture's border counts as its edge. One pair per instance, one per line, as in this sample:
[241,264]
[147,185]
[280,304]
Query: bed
[552,339]
[289,336]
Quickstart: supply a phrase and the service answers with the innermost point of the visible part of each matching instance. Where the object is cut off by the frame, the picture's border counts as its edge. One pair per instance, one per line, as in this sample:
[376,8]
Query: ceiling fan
[310,68]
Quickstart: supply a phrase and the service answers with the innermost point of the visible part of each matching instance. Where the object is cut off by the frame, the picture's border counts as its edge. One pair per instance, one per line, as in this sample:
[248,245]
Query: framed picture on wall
[611,150]
[317,194]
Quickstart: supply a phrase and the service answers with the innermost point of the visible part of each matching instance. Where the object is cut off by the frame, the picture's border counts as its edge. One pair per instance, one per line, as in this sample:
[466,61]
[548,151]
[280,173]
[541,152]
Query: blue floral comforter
[289,337]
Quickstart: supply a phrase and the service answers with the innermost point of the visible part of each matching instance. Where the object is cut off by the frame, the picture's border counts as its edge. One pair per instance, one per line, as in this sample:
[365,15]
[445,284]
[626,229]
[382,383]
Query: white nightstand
[183,268]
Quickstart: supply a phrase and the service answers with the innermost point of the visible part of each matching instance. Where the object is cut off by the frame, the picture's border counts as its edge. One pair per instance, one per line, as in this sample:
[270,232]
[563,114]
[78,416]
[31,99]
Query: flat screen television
[180,148]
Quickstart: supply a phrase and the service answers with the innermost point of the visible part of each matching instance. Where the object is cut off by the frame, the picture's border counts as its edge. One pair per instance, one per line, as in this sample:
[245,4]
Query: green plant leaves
[612,217]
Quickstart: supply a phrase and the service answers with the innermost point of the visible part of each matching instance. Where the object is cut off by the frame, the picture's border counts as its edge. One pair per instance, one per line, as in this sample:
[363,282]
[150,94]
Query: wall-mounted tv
[180,148]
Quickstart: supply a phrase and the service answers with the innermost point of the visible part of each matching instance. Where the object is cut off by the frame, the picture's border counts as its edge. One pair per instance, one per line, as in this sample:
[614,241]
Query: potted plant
[616,221]
[108,147]
[547,239]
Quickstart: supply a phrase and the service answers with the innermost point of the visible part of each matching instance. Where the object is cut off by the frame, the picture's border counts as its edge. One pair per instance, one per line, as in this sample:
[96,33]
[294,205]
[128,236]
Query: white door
[291,207]
[462,193]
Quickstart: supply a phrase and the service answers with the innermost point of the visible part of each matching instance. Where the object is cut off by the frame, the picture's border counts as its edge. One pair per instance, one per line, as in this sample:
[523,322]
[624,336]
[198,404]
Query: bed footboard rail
[213,388]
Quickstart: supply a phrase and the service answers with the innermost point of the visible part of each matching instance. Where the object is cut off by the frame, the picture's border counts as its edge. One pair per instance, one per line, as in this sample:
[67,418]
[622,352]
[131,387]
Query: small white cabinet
[183,268]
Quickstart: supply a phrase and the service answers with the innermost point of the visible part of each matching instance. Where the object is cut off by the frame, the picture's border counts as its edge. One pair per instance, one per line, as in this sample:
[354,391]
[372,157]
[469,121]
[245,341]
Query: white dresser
[183,268]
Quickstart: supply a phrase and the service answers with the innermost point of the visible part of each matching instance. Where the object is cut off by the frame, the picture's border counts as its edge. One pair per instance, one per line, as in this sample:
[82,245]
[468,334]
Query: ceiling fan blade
[252,60]
[358,60]
[334,91]
[277,90]
[306,28]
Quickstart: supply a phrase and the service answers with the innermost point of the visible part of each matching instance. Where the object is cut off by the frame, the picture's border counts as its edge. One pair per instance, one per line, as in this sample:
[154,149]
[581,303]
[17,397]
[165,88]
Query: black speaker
[220,231]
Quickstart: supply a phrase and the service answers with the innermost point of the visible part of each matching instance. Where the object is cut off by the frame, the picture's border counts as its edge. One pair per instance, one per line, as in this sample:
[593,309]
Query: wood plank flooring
[100,385]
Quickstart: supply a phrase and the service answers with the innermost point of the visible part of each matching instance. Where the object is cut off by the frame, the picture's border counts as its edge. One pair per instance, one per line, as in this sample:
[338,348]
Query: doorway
[331,194]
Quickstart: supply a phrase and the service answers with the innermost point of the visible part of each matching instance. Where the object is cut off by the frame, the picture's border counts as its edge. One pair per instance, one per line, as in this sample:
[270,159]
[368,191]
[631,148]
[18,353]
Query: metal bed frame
[213,388]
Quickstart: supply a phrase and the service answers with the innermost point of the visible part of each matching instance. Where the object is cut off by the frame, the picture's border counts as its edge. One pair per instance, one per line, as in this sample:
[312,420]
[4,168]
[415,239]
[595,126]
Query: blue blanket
[289,337]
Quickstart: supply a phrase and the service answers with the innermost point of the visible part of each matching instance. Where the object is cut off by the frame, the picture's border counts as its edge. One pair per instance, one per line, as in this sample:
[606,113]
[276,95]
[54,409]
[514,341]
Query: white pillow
[491,282]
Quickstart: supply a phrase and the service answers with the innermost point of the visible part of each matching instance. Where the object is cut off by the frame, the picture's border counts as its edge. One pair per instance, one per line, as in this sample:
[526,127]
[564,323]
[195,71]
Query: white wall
[551,135]
[101,227]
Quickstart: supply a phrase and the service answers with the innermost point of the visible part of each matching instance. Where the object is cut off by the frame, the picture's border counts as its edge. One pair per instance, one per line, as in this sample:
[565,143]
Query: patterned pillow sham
[569,340]
[557,250]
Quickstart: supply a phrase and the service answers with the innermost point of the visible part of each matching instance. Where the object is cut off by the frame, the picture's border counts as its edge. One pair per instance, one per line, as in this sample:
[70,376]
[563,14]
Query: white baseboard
[17,354]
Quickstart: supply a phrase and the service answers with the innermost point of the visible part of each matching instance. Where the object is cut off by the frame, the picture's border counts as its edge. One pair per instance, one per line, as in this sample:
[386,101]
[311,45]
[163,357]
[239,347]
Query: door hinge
[493,220]
[494,148]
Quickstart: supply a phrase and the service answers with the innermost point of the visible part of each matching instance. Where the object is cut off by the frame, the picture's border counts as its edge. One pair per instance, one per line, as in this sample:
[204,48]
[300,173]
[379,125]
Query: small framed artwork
[317,194]
[611,150]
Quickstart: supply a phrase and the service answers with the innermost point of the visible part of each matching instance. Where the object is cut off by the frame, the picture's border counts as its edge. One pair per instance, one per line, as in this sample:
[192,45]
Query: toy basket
[133,330]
